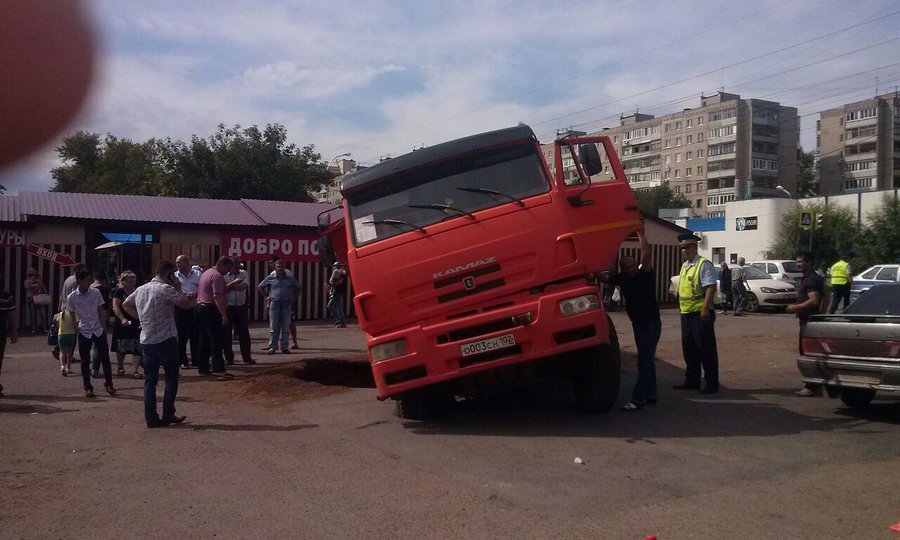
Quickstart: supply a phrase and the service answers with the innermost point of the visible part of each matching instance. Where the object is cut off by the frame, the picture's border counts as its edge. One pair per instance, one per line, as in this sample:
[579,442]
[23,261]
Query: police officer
[841,281]
[696,291]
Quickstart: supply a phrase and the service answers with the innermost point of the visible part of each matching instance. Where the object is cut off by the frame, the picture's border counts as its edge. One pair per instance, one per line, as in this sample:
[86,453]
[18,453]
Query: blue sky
[379,78]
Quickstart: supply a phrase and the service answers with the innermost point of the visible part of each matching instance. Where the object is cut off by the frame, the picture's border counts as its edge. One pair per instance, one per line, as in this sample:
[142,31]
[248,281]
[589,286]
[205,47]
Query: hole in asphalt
[336,372]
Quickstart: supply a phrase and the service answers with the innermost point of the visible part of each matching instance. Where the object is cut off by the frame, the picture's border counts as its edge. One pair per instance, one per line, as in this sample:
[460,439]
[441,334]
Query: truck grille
[478,330]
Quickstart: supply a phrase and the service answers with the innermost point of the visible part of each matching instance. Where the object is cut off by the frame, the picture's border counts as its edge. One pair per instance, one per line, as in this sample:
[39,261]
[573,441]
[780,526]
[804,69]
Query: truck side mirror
[589,155]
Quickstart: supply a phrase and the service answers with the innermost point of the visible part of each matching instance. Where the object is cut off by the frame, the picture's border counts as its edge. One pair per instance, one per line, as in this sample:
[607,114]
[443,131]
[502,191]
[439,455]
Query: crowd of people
[183,308]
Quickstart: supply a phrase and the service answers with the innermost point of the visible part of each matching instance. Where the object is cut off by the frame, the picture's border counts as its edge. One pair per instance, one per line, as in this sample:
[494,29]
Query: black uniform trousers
[186,324]
[698,344]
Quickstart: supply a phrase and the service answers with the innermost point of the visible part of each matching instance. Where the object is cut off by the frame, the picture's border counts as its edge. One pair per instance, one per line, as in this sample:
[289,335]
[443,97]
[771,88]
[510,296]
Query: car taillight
[891,349]
[815,345]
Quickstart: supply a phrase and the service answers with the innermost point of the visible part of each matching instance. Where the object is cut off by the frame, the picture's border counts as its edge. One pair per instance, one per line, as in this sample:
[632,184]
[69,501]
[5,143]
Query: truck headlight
[579,304]
[391,349]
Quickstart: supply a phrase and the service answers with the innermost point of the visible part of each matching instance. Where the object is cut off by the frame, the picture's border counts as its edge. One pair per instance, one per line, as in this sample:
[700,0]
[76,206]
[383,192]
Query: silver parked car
[857,353]
[762,290]
[878,274]
[780,269]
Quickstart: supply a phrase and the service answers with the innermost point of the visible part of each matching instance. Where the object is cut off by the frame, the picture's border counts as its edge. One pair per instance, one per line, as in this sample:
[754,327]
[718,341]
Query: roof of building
[296,214]
[145,208]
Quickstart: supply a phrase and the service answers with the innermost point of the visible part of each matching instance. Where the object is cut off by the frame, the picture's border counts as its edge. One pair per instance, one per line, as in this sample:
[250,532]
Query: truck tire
[412,405]
[858,398]
[423,403]
[597,374]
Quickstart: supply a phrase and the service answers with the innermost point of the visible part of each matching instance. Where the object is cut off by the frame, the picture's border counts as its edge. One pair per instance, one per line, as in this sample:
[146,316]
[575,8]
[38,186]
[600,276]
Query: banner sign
[299,246]
[746,223]
[11,237]
[59,258]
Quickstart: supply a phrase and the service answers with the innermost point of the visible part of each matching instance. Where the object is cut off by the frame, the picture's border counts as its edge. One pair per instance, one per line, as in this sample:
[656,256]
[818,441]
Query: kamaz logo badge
[463,267]
[469,283]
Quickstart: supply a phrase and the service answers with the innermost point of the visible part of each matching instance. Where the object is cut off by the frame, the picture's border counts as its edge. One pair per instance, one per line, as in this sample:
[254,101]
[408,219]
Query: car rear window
[790,266]
[879,300]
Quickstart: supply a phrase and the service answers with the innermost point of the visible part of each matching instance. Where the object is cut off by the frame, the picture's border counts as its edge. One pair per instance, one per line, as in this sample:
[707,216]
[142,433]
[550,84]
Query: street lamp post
[332,160]
[781,188]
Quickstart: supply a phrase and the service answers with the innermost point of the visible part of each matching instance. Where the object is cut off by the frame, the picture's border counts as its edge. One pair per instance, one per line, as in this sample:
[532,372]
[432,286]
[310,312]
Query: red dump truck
[471,265]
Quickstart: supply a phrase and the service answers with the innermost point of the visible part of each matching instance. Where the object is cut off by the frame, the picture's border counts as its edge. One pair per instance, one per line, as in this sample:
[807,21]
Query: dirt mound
[306,379]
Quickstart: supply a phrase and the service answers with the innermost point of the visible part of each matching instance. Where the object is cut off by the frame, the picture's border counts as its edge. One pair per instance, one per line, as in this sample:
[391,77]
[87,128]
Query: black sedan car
[857,353]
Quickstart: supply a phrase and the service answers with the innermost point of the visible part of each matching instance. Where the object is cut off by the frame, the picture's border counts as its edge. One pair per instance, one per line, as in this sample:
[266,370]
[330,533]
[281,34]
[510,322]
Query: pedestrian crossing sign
[806,220]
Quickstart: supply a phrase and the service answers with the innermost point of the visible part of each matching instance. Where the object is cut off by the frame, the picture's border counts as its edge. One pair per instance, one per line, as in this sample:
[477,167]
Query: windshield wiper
[445,208]
[492,194]
[395,223]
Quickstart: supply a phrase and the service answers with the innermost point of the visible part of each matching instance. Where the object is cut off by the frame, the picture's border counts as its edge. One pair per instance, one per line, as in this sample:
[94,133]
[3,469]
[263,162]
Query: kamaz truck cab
[472,265]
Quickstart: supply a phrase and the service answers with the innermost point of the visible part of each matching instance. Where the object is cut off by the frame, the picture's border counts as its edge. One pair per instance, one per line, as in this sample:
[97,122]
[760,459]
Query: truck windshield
[450,189]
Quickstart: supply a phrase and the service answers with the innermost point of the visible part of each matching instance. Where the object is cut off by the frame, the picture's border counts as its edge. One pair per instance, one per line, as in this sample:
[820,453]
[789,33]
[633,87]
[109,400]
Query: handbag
[53,335]
[41,299]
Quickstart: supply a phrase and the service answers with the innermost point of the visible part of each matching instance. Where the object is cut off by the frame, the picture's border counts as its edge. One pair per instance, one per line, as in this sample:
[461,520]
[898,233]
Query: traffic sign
[59,258]
[806,220]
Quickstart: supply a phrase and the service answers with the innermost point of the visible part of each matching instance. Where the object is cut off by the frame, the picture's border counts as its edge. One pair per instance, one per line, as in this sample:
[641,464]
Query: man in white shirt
[154,305]
[738,288]
[186,317]
[87,304]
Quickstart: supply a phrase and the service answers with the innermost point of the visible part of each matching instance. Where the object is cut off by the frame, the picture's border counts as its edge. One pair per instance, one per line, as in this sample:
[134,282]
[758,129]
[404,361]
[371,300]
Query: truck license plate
[487,345]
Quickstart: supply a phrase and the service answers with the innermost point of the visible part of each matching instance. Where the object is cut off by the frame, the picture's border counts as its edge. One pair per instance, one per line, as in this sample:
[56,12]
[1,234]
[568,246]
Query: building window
[677,189]
[668,160]
[615,138]
[688,154]
[699,169]
[700,137]
[677,173]
[689,139]
[857,183]
[668,143]
[678,158]
[690,122]
[677,141]
[668,128]
[861,114]
[678,126]
[687,172]
[666,175]
[699,120]
[687,188]
[716,200]
[699,186]
[700,153]
[854,166]
[699,203]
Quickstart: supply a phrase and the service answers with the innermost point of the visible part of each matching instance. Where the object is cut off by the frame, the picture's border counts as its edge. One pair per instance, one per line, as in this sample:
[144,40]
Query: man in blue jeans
[637,284]
[153,304]
[281,290]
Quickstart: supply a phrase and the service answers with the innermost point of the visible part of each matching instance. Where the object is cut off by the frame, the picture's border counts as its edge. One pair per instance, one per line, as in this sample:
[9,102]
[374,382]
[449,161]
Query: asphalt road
[269,455]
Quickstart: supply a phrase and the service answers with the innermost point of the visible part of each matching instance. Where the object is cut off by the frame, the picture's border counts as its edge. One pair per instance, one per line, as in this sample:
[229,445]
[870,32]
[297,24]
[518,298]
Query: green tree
[882,236]
[836,234]
[232,163]
[806,176]
[650,200]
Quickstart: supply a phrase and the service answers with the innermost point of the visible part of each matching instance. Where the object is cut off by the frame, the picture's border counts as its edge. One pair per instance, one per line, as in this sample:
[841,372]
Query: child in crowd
[65,324]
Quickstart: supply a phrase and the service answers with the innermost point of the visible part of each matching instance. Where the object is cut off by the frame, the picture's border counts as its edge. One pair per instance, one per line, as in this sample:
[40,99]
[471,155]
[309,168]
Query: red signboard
[299,246]
[59,258]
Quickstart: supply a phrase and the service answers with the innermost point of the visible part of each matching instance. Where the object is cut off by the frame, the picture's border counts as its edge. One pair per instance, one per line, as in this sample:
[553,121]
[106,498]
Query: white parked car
[763,291]
[786,270]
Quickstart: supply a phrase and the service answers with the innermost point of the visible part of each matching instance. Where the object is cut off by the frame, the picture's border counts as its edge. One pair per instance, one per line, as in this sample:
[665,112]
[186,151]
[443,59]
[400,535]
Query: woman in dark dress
[127,330]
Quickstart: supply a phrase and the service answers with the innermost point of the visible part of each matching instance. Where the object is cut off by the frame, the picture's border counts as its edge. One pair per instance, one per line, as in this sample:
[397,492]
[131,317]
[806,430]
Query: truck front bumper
[521,331]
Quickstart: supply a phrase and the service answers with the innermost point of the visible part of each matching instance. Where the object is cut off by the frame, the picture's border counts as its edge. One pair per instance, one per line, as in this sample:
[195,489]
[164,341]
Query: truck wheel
[423,403]
[597,374]
[858,398]
[752,303]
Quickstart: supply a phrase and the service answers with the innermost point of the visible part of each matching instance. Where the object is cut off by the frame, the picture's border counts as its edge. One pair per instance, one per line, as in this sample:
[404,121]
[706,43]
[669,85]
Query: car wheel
[752,303]
[857,398]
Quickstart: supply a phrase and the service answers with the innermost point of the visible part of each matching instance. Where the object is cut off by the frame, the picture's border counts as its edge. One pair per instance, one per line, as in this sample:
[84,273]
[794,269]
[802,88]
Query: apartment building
[726,149]
[331,193]
[858,146]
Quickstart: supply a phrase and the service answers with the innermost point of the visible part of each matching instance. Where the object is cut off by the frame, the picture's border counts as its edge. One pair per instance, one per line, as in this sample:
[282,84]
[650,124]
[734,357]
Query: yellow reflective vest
[690,292]
[839,273]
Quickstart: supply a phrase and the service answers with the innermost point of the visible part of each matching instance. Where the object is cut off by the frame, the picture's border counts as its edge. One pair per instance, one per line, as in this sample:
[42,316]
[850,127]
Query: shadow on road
[31,409]
[243,427]
[547,410]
